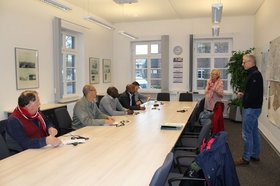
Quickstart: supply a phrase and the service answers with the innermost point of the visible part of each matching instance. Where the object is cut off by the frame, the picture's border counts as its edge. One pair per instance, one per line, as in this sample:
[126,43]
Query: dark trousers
[218,118]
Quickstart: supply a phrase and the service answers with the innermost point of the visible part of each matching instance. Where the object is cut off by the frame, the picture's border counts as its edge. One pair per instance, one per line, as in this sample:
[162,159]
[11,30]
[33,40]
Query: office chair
[3,127]
[161,174]
[163,96]
[64,120]
[186,96]
[98,99]
[190,145]
[4,151]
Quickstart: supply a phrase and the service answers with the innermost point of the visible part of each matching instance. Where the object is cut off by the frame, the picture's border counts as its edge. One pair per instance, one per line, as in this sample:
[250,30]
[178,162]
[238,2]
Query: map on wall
[274,102]
[273,75]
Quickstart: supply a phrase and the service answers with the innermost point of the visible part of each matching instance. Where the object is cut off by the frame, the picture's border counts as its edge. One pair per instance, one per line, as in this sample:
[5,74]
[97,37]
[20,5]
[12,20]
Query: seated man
[110,104]
[127,99]
[86,112]
[27,125]
[139,98]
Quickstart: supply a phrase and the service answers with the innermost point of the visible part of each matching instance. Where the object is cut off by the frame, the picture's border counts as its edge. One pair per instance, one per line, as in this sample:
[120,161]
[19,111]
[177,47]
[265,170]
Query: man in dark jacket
[127,99]
[252,102]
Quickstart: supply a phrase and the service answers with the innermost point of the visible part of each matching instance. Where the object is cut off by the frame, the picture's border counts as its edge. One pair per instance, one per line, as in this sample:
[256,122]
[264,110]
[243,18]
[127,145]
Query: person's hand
[53,141]
[109,120]
[239,94]
[138,102]
[52,131]
[129,112]
[148,98]
[142,108]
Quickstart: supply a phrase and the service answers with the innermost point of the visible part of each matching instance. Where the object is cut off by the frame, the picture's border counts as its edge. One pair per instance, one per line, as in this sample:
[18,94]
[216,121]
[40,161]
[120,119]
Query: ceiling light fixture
[128,35]
[125,1]
[217,9]
[215,30]
[57,5]
[98,22]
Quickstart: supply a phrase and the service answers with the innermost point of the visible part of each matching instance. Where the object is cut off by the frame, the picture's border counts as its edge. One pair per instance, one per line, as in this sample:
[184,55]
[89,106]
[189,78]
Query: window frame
[212,55]
[149,56]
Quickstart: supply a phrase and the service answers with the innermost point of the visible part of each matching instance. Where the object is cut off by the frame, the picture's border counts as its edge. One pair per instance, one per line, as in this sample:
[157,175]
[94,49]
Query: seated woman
[214,93]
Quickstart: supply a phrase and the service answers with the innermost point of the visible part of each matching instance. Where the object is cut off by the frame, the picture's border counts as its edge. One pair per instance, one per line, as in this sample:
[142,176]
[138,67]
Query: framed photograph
[106,70]
[27,69]
[93,70]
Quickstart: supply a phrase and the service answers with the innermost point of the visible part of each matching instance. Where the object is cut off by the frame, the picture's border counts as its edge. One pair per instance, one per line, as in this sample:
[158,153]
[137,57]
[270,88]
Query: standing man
[252,102]
[86,112]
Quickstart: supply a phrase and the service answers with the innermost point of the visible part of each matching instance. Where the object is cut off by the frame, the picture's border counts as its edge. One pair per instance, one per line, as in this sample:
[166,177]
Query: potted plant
[238,78]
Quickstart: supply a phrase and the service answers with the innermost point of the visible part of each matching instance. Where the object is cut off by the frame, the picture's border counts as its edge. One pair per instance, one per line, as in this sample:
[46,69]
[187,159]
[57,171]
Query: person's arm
[219,88]
[16,131]
[107,107]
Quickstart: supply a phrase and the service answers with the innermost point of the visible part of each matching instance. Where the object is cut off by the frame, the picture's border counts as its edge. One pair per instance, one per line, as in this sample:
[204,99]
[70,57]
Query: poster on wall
[93,70]
[178,70]
[106,70]
[27,70]
[274,102]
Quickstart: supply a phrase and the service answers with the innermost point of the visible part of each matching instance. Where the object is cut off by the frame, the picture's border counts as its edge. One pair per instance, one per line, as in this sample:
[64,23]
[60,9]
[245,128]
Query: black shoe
[255,159]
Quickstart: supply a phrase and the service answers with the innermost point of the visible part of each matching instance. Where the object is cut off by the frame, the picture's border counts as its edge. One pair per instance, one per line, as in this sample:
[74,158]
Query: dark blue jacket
[217,163]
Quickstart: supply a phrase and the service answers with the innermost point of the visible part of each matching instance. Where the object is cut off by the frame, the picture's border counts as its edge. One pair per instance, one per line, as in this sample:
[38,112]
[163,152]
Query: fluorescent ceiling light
[217,9]
[125,1]
[215,30]
[127,35]
[100,23]
[57,5]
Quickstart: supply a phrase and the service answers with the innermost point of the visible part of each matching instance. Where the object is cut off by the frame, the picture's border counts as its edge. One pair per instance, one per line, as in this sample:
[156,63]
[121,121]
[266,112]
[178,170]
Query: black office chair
[186,96]
[161,174]
[163,96]
[98,99]
[64,121]
[4,151]
[3,127]
[190,145]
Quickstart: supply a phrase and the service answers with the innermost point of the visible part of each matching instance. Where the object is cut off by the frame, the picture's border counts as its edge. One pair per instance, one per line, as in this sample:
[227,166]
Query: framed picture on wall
[93,70]
[106,70]
[27,69]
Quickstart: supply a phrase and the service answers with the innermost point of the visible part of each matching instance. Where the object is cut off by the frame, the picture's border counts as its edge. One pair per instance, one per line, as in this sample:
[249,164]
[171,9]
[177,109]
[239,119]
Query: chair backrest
[161,174]
[3,127]
[63,118]
[4,151]
[200,107]
[186,96]
[98,99]
[163,96]
[205,132]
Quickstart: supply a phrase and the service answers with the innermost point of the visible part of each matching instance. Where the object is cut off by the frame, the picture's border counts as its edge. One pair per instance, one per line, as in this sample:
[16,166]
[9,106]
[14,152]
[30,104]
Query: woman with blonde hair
[214,93]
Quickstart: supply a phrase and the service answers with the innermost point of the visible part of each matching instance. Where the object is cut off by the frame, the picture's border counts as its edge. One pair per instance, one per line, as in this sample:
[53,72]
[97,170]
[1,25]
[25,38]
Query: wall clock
[177,50]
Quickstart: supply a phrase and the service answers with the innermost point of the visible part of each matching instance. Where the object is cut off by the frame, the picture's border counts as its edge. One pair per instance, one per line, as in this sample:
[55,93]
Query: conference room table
[125,155]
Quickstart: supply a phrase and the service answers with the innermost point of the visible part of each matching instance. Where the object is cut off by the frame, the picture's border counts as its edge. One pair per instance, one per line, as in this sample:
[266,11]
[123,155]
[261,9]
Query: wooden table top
[127,155]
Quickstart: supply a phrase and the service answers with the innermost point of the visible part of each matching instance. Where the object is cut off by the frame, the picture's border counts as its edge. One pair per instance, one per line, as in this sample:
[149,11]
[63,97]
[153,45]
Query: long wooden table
[127,155]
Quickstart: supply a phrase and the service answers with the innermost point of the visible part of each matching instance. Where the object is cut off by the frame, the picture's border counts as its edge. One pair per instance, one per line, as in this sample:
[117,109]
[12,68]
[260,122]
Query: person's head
[137,86]
[130,88]
[89,92]
[248,61]
[215,74]
[113,92]
[29,100]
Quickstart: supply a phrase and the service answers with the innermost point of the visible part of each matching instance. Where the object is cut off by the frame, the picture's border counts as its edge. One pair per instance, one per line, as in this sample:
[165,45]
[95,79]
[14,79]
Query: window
[147,64]
[210,54]
[69,53]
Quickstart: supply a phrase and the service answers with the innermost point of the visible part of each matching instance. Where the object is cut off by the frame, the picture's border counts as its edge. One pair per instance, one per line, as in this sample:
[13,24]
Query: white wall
[267,28]
[240,28]
[28,24]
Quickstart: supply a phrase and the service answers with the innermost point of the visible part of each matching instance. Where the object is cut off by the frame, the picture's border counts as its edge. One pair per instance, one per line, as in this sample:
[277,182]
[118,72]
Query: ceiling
[147,10]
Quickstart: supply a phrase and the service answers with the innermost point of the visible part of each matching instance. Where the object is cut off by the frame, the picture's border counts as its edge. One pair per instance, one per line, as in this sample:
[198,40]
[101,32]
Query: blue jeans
[250,133]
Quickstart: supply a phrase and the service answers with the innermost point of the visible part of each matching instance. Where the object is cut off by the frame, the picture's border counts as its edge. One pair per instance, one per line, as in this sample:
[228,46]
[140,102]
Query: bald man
[127,98]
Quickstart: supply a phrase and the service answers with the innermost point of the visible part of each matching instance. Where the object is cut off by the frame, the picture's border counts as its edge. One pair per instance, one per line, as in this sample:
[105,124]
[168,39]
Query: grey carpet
[263,173]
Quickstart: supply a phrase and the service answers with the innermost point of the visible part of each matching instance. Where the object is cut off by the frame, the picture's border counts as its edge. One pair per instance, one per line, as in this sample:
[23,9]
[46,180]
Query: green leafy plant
[238,74]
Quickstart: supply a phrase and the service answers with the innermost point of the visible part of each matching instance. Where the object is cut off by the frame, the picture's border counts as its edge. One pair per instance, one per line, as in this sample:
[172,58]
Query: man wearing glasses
[252,102]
